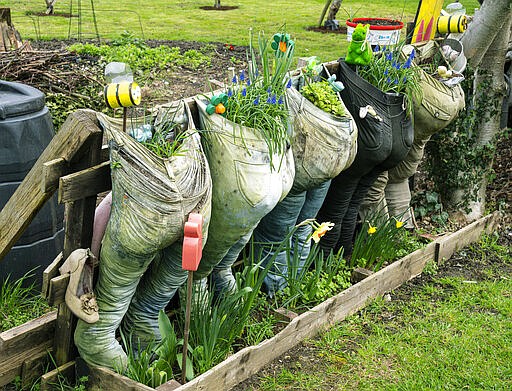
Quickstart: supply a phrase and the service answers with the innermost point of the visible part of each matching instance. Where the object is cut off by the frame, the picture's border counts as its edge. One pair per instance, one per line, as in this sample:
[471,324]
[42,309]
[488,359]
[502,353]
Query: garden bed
[250,360]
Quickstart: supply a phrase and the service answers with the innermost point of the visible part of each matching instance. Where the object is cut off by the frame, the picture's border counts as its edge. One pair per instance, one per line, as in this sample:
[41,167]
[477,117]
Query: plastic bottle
[116,72]
[455,8]
[142,133]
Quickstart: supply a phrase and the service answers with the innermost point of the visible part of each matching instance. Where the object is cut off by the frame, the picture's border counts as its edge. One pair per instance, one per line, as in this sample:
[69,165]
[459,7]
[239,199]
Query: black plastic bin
[25,130]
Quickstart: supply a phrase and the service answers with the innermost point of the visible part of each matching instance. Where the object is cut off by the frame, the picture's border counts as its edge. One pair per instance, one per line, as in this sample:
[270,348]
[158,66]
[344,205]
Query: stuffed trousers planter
[439,106]
[247,184]
[323,145]
[384,139]
[140,259]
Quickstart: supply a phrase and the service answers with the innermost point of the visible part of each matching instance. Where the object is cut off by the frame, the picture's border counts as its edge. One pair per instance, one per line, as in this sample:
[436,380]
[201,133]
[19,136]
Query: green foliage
[260,325]
[214,328]
[428,204]
[389,72]
[61,105]
[256,97]
[322,95]
[455,160]
[141,57]
[167,135]
[315,282]
[376,245]
[20,303]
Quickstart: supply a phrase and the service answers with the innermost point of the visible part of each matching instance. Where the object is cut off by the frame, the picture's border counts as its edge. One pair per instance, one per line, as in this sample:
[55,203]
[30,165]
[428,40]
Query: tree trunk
[485,45]
[49,6]
[217,3]
[10,39]
[333,10]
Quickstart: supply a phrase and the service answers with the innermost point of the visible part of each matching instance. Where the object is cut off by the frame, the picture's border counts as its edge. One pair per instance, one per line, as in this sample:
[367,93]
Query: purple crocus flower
[234,79]
[248,82]
[242,75]
[256,101]
[280,101]
[244,92]
[386,72]
[389,56]
[269,90]
[289,84]
[273,99]
[376,48]
[230,93]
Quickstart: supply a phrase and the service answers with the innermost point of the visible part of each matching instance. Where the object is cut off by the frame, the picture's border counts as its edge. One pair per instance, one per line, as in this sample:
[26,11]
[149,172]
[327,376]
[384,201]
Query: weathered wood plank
[50,380]
[23,343]
[28,198]
[28,334]
[57,290]
[85,183]
[52,171]
[10,369]
[33,368]
[51,271]
[79,217]
[449,244]
[102,379]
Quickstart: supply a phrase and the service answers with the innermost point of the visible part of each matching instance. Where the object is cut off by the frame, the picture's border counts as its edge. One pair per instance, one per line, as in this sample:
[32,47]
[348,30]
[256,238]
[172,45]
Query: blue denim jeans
[273,229]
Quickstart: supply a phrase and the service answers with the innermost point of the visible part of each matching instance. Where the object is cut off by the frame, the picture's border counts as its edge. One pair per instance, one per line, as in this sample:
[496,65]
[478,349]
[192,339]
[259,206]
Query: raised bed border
[252,359]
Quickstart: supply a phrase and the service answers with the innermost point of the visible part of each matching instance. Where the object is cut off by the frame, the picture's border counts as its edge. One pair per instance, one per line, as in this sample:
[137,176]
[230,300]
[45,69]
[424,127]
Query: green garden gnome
[359,50]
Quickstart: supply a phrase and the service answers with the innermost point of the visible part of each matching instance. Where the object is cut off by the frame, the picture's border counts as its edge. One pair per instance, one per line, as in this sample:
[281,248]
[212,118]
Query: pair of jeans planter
[140,259]
[439,106]
[383,141]
[247,184]
[323,146]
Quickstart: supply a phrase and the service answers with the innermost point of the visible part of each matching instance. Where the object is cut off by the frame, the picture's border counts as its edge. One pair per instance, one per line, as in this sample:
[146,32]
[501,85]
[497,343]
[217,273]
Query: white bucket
[380,34]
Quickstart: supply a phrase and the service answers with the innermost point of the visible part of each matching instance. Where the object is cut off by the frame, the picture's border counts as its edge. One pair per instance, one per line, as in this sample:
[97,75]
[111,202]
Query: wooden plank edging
[23,342]
[252,359]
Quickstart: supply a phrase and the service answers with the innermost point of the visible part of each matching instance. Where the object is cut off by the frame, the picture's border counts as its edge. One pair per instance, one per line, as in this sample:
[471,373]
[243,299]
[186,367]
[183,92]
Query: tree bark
[485,45]
[333,10]
[49,6]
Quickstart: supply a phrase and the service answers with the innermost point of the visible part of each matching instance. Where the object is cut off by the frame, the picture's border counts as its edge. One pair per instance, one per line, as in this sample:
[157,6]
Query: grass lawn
[185,20]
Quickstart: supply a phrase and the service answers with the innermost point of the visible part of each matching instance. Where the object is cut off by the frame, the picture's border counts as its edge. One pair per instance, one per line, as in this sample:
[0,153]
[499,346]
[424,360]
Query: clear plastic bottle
[455,8]
[116,72]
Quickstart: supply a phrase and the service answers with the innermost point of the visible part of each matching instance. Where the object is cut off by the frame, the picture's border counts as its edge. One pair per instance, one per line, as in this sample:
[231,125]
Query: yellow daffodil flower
[372,229]
[321,230]
[399,224]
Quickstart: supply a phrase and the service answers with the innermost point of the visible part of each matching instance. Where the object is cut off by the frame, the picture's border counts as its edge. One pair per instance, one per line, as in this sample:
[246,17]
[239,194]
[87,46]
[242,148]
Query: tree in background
[333,11]
[462,154]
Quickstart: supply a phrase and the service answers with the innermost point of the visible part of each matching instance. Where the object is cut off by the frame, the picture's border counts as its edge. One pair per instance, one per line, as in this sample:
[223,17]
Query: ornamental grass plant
[255,97]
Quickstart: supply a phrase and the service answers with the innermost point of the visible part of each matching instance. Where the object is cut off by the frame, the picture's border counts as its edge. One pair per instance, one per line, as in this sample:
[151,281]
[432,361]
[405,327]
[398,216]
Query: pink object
[192,242]
[101,216]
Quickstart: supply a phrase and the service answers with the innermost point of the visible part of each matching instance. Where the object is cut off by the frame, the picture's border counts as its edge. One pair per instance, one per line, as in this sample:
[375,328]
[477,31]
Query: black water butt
[25,130]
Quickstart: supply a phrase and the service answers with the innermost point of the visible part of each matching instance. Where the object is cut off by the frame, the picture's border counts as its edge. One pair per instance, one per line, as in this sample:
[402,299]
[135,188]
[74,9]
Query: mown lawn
[185,20]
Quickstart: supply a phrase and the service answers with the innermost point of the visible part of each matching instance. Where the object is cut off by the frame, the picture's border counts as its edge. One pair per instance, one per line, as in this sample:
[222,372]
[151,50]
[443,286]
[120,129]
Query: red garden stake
[191,255]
